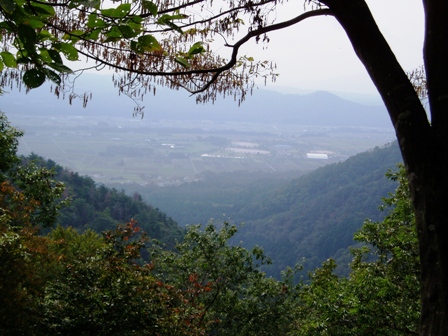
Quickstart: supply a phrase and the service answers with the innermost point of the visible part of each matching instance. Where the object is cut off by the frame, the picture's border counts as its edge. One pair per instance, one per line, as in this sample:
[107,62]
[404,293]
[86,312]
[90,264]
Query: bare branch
[255,33]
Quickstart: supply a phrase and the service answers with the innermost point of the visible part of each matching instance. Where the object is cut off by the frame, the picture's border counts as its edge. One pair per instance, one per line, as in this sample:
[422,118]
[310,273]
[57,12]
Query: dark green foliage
[85,284]
[29,195]
[99,289]
[28,201]
[71,283]
[8,144]
[224,283]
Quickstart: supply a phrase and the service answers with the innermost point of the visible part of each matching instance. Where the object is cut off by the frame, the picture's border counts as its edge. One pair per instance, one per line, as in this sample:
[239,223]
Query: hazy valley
[176,140]
[243,164]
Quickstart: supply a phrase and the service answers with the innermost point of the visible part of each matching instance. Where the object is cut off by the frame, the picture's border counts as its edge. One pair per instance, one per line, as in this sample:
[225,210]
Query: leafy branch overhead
[167,43]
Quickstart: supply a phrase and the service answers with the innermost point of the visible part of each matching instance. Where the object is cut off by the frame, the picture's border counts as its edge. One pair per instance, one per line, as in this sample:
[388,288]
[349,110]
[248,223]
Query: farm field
[166,152]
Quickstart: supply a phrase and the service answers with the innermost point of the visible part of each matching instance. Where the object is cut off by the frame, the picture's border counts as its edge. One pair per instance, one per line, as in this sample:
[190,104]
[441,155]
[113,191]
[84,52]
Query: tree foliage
[29,195]
[29,201]
[381,294]
[71,283]
[224,285]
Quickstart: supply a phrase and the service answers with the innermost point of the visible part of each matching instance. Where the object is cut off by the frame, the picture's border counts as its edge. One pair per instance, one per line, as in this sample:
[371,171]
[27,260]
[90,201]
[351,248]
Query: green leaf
[35,24]
[45,55]
[135,46]
[196,48]
[182,61]
[8,5]
[174,27]
[28,36]
[135,23]
[120,12]
[149,43]
[127,31]
[53,76]
[1,66]
[167,21]
[113,34]
[94,34]
[166,17]
[54,54]
[23,60]
[86,3]
[69,51]
[45,35]
[150,6]
[41,9]
[60,67]
[34,78]
[8,59]
[94,22]
[145,43]
[136,19]
[5,25]
[74,36]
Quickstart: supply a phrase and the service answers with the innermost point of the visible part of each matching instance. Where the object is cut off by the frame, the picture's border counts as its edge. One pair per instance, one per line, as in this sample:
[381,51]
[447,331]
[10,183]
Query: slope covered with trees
[71,283]
[381,294]
[316,215]
[101,208]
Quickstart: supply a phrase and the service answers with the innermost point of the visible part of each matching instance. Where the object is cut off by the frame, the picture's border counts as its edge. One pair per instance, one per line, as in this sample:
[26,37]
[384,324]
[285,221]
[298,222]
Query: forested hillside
[101,208]
[317,214]
[216,195]
[311,216]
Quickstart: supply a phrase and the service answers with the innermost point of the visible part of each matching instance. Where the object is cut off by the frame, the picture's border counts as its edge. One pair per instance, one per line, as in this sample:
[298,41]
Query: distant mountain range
[317,109]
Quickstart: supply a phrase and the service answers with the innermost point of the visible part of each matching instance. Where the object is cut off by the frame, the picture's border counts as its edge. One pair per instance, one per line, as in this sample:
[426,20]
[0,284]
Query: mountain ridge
[264,106]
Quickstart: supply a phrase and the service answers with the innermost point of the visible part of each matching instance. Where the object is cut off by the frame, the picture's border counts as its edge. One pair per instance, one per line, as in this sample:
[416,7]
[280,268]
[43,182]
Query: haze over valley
[177,140]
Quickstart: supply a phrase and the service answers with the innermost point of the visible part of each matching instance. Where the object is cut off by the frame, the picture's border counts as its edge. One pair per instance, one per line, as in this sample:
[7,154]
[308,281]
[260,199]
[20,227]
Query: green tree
[101,208]
[381,294]
[167,43]
[222,289]
[98,288]
[29,196]
[9,142]
[28,201]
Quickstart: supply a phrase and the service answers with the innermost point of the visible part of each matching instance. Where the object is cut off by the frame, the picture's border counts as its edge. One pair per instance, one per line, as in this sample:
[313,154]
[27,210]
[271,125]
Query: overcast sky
[316,54]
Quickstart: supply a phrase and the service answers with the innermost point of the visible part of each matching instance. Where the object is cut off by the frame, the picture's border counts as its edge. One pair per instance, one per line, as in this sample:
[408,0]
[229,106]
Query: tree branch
[255,33]
[217,71]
